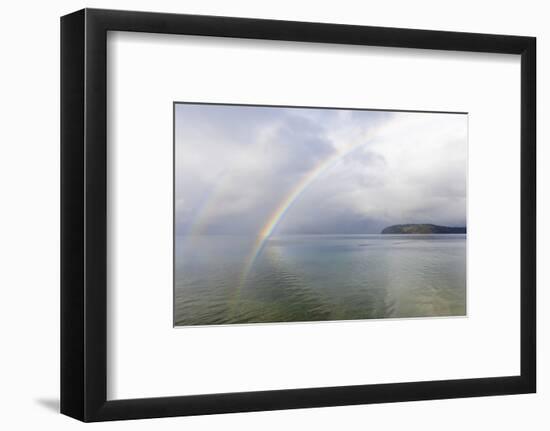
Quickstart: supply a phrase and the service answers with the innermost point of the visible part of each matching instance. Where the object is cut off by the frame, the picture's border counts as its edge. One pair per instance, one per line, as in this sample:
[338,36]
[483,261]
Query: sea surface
[297,278]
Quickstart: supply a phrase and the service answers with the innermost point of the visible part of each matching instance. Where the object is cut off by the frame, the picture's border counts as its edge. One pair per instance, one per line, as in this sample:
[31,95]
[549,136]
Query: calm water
[319,277]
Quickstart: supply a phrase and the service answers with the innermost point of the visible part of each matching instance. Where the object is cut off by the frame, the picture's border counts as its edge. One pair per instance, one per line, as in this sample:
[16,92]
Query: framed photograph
[262,215]
[291,214]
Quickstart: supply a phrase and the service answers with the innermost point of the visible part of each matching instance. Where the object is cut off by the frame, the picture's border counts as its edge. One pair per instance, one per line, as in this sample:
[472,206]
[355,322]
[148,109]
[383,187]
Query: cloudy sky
[243,169]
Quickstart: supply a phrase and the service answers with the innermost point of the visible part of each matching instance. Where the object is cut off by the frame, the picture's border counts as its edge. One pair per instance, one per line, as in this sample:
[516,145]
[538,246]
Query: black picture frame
[84,214]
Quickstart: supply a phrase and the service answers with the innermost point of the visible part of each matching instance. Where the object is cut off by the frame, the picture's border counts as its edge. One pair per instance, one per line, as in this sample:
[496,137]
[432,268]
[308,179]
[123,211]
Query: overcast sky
[318,170]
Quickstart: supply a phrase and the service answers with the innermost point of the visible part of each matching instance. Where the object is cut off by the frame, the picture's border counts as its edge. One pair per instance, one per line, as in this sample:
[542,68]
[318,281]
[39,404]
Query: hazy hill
[422,228]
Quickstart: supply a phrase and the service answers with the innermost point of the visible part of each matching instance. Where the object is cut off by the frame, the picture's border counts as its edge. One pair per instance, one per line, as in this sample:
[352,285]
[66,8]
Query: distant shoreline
[422,229]
[184,236]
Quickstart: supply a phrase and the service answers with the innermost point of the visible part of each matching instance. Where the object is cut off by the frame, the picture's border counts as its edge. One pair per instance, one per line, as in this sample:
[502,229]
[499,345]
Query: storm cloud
[347,171]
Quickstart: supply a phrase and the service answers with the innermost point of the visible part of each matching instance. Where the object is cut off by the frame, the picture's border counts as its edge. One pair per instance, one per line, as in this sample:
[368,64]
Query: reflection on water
[319,277]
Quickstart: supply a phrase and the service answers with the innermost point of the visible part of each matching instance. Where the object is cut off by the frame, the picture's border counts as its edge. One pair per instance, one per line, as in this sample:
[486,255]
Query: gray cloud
[236,165]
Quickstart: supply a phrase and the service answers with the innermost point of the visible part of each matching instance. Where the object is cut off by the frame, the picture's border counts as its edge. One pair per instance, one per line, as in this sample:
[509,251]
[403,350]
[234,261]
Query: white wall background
[29,223]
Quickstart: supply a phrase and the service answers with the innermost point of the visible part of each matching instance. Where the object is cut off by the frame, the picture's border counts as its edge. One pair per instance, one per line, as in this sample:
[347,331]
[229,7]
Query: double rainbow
[280,211]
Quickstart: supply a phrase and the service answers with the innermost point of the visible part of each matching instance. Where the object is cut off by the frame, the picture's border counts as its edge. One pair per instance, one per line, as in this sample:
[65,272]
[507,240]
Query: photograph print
[302,214]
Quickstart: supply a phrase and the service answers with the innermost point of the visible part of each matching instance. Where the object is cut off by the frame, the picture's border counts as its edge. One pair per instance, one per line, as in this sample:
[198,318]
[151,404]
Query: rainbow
[203,211]
[287,203]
